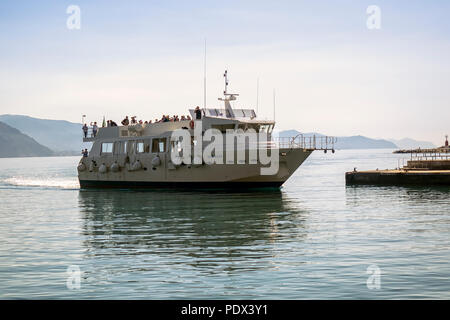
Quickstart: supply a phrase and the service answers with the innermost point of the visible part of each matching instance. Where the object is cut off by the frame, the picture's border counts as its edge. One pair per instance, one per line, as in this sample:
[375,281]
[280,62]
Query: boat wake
[41,182]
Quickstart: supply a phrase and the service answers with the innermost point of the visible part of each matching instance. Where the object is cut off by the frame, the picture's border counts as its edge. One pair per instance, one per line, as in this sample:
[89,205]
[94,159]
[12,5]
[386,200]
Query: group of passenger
[174,118]
[111,123]
[164,118]
[126,121]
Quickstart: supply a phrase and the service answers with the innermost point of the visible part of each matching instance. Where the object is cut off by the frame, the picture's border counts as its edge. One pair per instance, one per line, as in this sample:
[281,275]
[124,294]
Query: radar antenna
[228,97]
[225,76]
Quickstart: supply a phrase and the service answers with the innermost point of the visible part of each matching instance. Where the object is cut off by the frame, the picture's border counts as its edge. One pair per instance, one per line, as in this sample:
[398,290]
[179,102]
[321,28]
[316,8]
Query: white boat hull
[201,176]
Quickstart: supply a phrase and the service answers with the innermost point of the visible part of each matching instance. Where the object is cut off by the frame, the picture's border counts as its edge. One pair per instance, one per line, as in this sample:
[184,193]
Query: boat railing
[90,135]
[427,156]
[307,142]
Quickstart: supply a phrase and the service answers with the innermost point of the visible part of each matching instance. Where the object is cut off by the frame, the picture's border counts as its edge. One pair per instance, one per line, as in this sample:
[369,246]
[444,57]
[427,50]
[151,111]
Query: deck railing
[90,134]
[307,142]
[297,142]
[430,156]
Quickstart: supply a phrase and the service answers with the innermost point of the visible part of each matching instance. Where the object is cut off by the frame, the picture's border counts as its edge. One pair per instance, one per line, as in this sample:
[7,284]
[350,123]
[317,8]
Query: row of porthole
[137,165]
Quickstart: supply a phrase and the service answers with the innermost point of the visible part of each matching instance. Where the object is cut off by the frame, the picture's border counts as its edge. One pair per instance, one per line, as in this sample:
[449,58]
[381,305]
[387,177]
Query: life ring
[191,124]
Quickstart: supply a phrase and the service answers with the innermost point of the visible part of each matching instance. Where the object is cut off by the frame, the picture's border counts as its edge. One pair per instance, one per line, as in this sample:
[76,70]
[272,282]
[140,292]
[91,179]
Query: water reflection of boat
[205,229]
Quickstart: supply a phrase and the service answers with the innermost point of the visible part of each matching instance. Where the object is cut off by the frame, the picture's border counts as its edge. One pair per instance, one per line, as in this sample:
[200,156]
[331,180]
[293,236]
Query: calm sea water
[313,239]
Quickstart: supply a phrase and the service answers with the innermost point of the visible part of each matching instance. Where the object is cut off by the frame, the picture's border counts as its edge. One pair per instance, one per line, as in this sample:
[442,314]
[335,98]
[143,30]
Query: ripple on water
[314,238]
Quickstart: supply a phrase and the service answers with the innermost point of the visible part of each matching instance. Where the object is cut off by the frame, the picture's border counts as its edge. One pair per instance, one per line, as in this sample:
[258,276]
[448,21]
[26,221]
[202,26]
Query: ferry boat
[140,155]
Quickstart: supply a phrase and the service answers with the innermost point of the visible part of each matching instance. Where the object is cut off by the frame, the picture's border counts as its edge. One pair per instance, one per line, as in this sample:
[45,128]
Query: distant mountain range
[408,143]
[60,137]
[14,143]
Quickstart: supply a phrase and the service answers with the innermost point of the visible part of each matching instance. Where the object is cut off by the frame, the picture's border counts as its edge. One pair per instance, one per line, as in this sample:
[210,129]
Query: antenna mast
[228,97]
[257,95]
[204,79]
[225,76]
[273,104]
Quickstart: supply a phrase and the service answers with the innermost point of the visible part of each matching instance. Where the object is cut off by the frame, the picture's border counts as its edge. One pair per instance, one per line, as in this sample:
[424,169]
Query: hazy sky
[331,73]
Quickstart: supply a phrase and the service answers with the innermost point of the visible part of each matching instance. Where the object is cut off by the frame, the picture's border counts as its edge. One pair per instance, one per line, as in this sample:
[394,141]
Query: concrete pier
[426,167]
[399,177]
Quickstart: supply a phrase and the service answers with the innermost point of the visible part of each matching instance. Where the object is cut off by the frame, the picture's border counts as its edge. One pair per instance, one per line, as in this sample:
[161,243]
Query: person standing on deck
[198,113]
[125,121]
[85,130]
[94,129]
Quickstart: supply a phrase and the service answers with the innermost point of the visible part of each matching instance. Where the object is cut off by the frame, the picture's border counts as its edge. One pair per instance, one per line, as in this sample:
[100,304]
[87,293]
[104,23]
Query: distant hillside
[59,135]
[361,142]
[14,143]
[353,142]
[66,137]
[408,143]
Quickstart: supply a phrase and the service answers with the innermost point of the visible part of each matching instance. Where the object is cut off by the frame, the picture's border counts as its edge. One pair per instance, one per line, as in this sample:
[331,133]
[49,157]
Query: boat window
[140,147]
[117,147]
[162,146]
[176,145]
[107,147]
[223,128]
[264,128]
[159,145]
[155,145]
[120,147]
[239,113]
[243,126]
[213,112]
[130,146]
